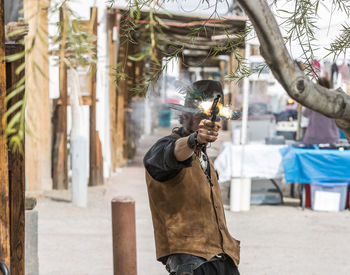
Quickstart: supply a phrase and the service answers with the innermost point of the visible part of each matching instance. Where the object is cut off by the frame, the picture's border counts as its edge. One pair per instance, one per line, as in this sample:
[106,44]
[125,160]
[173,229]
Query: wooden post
[124,236]
[228,81]
[111,23]
[133,128]
[60,164]
[131,69]
[222,72]
[222,64]
[299,114]
[96,169]
[38,122]
[4,179]
[181,65]
[121,92]
[234,83]
[17,174]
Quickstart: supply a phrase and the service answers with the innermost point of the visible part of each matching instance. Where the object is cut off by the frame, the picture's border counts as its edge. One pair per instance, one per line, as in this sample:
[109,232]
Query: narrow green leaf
[10,126]
[37,67]
[285,11]
[16,56]
[15,143]
[14,107]
[161,22]
[20,68]
[15,92]
[137,57]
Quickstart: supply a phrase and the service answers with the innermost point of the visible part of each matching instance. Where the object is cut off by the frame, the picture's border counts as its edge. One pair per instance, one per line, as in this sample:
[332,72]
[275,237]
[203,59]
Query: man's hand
[208,131]
[15,31]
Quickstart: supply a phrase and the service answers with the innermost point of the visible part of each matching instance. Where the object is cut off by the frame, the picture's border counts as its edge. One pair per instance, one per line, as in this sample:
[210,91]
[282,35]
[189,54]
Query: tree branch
[331,103]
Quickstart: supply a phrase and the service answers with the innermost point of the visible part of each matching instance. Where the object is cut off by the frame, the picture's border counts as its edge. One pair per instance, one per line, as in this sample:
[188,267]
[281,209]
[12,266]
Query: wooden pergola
[196,32]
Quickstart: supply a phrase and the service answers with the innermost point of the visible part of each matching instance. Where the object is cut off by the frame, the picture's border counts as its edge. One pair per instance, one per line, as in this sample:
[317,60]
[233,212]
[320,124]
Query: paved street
[274,239]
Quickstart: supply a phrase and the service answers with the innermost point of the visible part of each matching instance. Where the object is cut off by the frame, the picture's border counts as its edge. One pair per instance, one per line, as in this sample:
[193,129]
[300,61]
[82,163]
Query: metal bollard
[124,236]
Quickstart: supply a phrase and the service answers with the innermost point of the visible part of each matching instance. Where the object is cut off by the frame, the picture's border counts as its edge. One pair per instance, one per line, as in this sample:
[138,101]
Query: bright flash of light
[224,111]
[205,106]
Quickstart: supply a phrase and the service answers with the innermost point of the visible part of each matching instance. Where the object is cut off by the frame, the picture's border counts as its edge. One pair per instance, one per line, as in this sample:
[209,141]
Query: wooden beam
[96,171]
[130,84]
[38,122]
[112,52]
[4,177]
[60,165]
[17,173]
[222,72]
[85,100]
[228,22]
[181,65]
[201,61]
[122,89]
[156,69]
[222,66]
[233,83]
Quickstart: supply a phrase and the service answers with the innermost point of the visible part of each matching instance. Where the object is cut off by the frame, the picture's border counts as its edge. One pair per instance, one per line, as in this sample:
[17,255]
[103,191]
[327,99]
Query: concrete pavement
[274,239]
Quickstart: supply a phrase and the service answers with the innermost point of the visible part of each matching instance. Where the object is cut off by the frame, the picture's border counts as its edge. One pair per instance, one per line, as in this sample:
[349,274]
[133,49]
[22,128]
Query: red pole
[124,236]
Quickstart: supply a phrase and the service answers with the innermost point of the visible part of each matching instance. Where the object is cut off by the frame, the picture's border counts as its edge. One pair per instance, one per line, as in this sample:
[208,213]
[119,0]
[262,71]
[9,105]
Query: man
[320,129]
[189,223]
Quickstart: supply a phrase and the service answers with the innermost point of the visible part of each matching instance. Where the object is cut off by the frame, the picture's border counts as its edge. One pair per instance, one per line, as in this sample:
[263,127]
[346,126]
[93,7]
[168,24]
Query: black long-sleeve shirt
[160,161]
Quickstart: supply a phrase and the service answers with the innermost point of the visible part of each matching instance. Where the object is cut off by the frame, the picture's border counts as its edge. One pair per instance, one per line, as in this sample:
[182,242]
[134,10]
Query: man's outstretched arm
[207,132]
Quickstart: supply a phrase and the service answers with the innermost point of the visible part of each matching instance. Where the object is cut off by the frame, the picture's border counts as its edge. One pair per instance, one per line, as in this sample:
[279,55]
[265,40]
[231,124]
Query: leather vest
[188,215]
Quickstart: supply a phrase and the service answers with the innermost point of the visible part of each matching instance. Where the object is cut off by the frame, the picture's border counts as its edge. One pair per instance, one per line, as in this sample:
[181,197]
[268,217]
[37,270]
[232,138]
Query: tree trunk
[331,103]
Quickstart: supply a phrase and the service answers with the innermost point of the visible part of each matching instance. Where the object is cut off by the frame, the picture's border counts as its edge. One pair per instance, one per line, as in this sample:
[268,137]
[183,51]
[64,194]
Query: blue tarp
[315,165]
